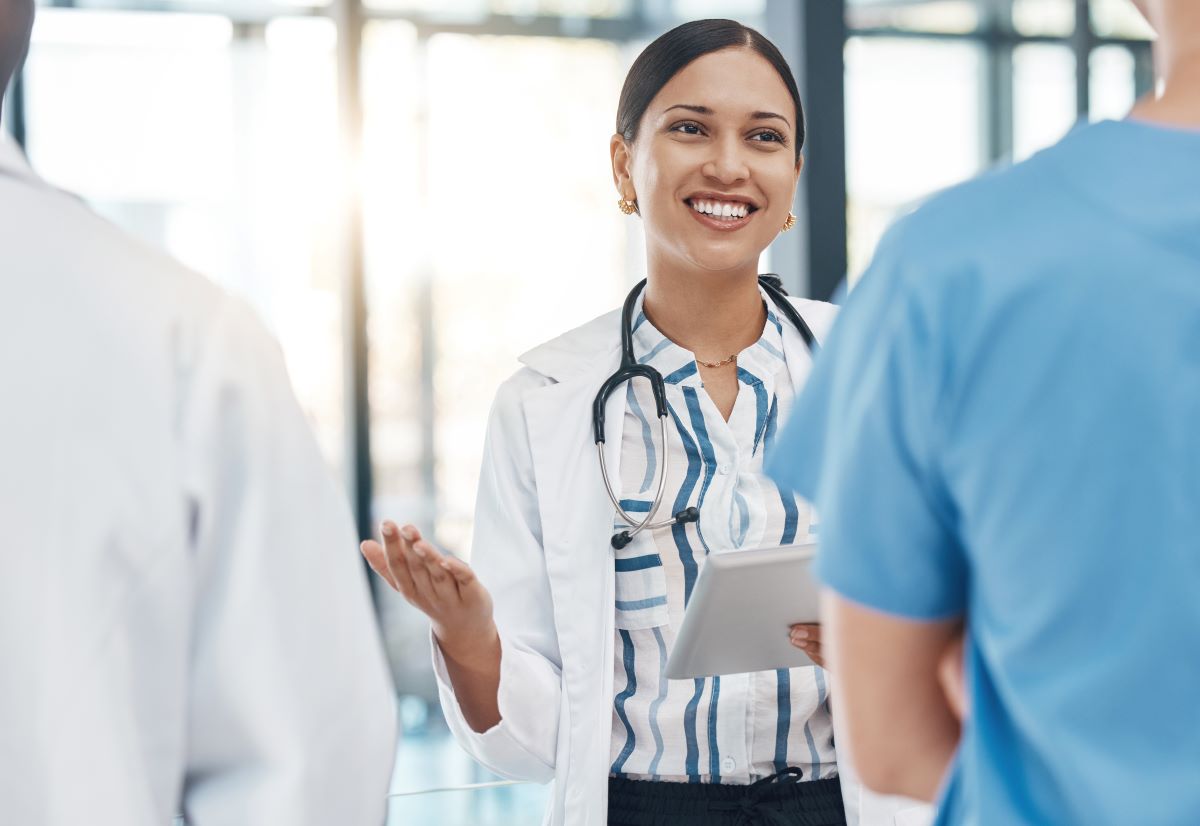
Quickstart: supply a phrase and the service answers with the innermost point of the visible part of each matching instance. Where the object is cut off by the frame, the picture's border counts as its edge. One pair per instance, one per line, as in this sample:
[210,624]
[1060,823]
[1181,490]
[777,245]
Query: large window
[937,90]
[215,147]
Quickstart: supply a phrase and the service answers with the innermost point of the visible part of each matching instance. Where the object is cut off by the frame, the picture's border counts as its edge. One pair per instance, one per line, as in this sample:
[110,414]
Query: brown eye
[687,128]
[769,136]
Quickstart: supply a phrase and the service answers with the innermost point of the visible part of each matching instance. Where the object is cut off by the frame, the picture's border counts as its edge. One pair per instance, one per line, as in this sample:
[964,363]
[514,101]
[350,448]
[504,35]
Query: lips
[722,213]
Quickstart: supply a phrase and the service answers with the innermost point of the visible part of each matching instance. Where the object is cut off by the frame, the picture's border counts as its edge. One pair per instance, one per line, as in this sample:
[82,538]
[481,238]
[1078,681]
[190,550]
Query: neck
[713,314]
[1177,60]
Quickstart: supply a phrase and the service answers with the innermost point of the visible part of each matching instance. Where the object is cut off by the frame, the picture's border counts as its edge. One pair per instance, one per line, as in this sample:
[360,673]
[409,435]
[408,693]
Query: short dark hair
[670,53]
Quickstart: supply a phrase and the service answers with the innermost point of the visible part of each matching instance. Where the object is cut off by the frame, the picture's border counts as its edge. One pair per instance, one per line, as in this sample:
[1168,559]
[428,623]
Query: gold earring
[789,222]
[627,206]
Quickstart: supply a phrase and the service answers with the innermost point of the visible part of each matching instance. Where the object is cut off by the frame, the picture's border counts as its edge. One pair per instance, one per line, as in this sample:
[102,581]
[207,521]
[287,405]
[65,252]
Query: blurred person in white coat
[550,663]
[185,627]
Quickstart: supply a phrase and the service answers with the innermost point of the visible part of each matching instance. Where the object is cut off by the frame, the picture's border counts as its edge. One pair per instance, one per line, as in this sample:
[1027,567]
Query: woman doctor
[550,653]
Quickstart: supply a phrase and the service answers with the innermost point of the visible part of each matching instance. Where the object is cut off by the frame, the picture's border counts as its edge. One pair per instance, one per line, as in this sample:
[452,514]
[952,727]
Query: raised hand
[459,608]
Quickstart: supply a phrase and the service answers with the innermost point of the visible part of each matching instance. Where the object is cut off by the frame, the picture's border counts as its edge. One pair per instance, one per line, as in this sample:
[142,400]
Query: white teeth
[719,209]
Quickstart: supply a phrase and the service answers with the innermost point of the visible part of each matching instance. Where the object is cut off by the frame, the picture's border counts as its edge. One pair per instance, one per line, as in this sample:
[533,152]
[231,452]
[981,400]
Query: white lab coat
[542,527]
[184,621]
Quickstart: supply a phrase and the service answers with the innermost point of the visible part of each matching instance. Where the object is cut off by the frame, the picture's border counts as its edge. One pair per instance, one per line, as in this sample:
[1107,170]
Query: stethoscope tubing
[628,370]
[636,526]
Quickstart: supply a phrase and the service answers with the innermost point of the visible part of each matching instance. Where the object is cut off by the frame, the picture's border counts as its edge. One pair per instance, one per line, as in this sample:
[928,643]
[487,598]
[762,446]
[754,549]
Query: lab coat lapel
[576,512]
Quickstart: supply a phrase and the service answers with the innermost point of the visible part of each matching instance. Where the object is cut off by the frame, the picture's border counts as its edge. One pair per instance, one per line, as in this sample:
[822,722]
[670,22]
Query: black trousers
[779,800]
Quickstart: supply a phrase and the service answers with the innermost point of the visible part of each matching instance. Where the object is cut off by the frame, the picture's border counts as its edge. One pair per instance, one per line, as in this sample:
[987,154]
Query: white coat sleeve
[508,558]
[291,716]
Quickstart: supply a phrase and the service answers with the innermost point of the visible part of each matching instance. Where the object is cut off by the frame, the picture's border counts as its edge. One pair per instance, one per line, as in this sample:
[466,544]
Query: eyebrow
[704,110]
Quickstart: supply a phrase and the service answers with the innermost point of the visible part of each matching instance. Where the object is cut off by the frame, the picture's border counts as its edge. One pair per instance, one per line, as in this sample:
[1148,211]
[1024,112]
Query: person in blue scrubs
[1002,437]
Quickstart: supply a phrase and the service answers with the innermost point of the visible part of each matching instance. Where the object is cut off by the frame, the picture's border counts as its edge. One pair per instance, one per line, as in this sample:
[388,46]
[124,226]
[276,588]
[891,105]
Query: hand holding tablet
[742,610]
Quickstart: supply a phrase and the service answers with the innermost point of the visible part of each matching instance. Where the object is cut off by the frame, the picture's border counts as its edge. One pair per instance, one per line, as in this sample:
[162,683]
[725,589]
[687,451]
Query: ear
[796,177]
[622,163]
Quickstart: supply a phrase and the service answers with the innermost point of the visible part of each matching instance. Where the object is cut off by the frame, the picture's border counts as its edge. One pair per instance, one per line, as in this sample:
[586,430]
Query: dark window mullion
[1083,41]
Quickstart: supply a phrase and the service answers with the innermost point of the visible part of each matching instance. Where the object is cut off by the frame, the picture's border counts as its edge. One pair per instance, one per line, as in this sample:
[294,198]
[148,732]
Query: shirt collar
[758,362]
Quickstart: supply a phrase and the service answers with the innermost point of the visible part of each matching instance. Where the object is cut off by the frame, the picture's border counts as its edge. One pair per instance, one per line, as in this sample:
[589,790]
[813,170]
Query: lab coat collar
[578,351]
[582,351]
[13,162]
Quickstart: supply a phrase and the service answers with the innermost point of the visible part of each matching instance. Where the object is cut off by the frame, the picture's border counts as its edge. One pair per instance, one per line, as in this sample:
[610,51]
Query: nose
[727,164]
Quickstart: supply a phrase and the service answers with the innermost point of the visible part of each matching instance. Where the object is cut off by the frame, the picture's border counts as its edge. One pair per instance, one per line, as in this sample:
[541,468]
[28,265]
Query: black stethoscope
[629,370]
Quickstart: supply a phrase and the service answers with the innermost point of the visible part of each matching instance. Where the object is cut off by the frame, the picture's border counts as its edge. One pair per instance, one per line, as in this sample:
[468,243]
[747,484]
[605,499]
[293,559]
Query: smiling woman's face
[713,167]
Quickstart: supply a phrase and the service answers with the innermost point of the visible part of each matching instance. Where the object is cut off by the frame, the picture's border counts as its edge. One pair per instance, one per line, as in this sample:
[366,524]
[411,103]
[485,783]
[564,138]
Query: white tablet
[738,617]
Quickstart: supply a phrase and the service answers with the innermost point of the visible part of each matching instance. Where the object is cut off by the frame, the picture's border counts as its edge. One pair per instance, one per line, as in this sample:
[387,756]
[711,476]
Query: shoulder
[578,350]
[818,315]
[103,265]
[511,392]
[993,217]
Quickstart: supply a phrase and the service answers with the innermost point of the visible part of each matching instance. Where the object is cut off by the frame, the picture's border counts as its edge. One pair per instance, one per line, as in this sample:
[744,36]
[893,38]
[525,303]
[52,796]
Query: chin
[722,258]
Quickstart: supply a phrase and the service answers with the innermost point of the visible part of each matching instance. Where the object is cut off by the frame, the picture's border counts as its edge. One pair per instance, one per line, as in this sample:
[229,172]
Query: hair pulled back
[670,53]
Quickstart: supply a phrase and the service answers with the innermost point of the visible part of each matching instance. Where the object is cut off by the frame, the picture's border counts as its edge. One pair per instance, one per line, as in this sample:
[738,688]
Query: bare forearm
[917,771]
[474,670]
[901,730]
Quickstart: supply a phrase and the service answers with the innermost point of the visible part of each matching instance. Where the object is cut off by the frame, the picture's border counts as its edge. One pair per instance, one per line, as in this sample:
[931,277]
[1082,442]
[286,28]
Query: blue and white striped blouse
[736,728]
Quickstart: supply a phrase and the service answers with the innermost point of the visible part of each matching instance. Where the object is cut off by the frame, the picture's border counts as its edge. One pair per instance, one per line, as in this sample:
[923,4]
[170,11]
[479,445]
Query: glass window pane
[472,10]
[478,10]
[261,10]
[743,10]
[461,154]
[1043,96]
[950,16]
[1119,18]
[566,8]
[913,126]
[202,137]
[1112,82]
[1044,17]
[491,225]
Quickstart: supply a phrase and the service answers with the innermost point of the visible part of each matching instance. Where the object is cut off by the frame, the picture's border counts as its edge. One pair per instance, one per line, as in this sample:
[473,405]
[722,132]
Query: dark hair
[670,53]
[16,22]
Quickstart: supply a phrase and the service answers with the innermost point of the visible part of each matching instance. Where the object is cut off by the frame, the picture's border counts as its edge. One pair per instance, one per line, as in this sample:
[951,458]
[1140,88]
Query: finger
[444,585]
[804,631]
[415,564]
[461,571]
[393,544]
[376,557]
[419,570]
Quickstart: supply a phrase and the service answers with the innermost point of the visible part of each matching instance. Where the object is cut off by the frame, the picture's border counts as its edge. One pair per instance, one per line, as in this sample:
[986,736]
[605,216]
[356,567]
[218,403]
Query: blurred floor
[432,760]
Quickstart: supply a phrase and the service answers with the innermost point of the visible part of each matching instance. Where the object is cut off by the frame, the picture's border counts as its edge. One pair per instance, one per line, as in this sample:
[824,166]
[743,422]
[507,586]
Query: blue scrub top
[1005,424]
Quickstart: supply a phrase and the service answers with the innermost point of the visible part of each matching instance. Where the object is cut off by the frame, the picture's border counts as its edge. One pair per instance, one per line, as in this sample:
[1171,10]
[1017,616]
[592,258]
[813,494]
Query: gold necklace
[721,363]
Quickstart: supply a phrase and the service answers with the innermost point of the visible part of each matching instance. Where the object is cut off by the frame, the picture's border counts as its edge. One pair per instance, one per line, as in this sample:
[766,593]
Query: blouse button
[728,765]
